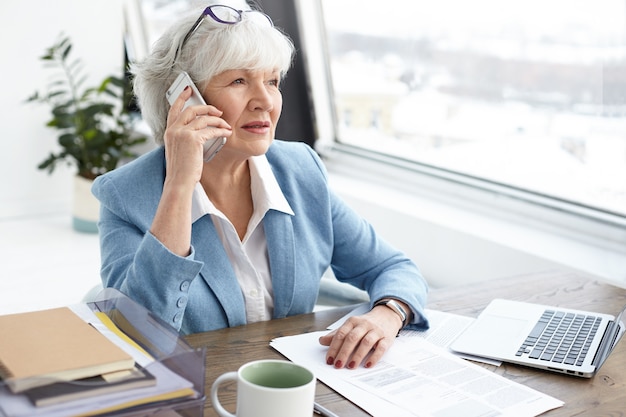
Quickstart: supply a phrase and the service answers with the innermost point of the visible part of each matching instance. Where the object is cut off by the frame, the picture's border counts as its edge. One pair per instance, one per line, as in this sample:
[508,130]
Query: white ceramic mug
[269,388]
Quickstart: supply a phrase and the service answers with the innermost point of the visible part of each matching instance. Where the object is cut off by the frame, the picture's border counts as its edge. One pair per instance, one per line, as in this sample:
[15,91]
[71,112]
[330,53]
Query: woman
[247,235]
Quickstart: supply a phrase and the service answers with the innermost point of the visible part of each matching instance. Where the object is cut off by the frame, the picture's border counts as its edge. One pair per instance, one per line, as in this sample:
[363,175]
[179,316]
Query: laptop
[556,339]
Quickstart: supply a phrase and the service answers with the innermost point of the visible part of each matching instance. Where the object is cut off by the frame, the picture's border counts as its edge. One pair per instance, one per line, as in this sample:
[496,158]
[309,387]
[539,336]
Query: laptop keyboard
[561,337]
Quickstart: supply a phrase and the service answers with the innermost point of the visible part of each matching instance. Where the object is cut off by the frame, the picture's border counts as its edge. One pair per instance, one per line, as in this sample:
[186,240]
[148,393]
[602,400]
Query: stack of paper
[418,376]
[60,392]
[71,361]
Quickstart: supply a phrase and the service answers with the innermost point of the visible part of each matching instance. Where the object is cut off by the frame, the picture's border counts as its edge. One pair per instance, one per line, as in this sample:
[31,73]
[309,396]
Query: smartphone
[211,146]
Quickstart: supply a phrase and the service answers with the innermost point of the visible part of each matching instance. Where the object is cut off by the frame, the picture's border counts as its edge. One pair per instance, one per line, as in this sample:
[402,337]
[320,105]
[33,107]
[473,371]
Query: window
[527,94]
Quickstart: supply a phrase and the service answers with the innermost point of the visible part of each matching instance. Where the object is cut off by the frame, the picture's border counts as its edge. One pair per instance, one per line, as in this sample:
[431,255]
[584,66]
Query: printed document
[418,378]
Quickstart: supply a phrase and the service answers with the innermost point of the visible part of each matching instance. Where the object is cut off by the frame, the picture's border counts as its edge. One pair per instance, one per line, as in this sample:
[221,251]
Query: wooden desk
[604,394]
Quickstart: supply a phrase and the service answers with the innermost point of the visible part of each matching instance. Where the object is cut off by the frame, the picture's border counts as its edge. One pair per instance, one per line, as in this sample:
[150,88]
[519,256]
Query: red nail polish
[351,365]
[368,365]
[338,364]
[330,360]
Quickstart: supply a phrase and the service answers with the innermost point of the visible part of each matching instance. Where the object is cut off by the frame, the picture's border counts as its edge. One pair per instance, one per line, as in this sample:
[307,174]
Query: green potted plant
[95,129]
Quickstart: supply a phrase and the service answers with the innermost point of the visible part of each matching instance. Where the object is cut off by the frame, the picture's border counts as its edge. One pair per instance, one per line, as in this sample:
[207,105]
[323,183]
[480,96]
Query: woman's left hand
[366,337]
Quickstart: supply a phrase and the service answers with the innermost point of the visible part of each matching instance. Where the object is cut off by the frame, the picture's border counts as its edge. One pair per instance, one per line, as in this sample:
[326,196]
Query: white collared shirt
[249,257]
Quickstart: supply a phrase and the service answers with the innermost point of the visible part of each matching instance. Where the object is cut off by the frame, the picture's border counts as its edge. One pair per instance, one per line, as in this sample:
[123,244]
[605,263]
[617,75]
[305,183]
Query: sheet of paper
[417,378]
[444,328]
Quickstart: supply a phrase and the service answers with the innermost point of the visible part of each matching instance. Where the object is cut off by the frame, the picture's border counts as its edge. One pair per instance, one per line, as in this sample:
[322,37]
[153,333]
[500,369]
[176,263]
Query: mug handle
[221,411]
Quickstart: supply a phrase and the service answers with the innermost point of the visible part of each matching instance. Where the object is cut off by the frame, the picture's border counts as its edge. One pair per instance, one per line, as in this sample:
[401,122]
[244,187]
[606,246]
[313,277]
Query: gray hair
[212,49]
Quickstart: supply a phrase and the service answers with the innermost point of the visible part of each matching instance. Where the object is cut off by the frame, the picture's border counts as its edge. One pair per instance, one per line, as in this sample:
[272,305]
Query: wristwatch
[395,306]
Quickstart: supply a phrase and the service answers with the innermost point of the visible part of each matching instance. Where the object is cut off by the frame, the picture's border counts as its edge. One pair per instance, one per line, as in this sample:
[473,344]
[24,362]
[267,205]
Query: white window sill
[460,233]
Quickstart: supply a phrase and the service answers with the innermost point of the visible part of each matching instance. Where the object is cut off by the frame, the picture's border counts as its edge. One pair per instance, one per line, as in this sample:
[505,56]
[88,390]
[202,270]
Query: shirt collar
[266,193]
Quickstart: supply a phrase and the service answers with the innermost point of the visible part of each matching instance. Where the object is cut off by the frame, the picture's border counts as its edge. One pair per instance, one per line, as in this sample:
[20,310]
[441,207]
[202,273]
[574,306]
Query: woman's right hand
[187,130]
[185,134]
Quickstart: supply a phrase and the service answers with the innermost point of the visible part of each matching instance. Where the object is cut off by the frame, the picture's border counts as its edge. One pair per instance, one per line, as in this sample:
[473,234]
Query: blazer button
[184,286]
[178,317]
[182,301]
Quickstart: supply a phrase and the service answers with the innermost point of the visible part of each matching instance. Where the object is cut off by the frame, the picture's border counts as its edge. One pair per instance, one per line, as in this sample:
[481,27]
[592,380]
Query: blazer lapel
[209,249]
[281,248]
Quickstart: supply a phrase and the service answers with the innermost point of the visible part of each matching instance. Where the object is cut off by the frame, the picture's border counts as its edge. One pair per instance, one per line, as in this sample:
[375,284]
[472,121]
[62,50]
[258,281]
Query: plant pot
[86,207]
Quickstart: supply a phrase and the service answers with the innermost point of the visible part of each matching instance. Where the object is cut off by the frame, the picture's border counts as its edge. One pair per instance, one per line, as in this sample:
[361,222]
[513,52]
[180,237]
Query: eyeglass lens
[224,14]
[228,15]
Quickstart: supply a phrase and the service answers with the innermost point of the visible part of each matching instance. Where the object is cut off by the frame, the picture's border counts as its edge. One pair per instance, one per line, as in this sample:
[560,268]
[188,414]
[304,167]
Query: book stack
[74,361]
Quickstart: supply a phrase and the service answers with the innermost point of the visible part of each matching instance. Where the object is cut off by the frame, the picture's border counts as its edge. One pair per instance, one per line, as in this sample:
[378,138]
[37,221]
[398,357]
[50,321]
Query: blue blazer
[200,292]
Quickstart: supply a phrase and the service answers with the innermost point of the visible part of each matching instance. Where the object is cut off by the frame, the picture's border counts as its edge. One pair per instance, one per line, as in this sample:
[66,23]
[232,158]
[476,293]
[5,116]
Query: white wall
[27,28]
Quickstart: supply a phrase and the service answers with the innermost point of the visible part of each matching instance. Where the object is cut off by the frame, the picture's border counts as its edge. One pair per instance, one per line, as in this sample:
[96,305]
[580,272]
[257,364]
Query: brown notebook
[41,347]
